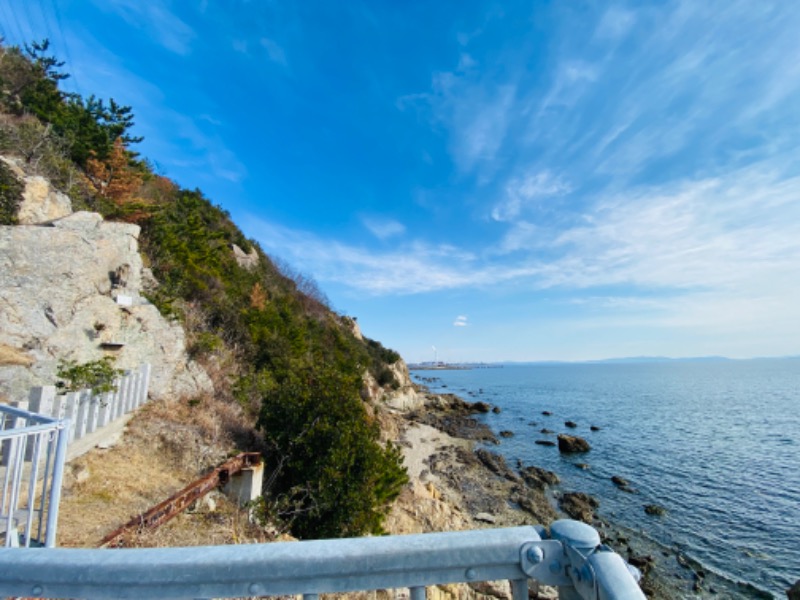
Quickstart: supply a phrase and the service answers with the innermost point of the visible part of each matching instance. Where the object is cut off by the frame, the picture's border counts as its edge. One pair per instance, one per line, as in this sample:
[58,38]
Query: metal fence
[32,452]
[571,558]
[89,412]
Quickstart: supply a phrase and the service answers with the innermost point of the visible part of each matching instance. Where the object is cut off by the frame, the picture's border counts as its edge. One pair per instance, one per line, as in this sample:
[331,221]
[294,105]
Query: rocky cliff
[71,289]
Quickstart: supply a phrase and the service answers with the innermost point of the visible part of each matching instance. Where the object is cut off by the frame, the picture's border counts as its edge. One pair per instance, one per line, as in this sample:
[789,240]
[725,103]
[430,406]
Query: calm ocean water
[717,443]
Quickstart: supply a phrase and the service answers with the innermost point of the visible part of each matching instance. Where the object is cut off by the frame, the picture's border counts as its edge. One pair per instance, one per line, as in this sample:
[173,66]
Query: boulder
[571,424]
[594,428]
[544,443]
[497,410]
[506,433]
[793,593]
[480,407]
[569,444]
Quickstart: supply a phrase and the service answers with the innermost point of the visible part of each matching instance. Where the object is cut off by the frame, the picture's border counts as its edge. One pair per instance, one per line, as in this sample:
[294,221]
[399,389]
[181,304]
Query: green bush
[332,474]
[96,375]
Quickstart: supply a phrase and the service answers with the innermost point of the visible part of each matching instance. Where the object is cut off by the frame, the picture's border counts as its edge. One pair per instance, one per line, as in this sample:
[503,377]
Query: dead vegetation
[166,446]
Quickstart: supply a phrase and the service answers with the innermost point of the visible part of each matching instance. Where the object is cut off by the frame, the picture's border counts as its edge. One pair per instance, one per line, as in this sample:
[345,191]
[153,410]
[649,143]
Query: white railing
[571,559]
[88,412]
[32,454]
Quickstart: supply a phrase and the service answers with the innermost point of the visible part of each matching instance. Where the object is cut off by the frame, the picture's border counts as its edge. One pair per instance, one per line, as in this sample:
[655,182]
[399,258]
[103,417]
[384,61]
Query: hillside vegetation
[266,334]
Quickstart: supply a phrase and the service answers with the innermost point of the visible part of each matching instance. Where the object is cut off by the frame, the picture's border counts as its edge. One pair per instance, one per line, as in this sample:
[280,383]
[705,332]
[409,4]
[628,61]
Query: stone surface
[579,506]
[247,260]
[41,202]
[793,593]
[404,398]
[572,444]
[539,478]
[58,286]
[655,510]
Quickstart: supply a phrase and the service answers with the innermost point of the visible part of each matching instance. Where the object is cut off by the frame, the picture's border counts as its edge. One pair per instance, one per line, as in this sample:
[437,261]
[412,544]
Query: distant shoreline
[452,367]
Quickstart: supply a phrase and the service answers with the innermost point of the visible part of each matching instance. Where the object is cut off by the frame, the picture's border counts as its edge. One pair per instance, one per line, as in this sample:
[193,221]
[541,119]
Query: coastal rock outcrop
[403,397]
[579,506]
[539,478]
[71,290]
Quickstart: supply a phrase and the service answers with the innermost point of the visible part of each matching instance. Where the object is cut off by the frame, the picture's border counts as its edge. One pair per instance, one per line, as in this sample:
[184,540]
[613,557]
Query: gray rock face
[72,291]
[40,202]
[248,261]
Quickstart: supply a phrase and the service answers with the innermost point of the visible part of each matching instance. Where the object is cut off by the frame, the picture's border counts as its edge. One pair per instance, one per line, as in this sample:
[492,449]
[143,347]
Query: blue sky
[498,181]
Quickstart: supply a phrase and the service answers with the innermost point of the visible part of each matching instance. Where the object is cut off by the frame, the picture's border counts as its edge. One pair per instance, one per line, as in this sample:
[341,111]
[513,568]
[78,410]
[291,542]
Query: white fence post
[41,400]
[87,412]
[146,371]
[71,401]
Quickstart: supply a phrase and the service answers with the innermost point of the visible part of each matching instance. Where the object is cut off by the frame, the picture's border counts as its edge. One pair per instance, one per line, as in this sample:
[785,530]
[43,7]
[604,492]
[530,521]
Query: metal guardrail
[572,559]
[32,452]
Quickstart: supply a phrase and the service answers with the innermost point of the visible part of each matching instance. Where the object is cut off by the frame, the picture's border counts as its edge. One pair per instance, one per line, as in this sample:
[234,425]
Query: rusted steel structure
[180,501]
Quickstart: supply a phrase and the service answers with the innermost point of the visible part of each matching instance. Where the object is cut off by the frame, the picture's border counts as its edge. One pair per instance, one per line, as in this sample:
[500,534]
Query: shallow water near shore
[716,443]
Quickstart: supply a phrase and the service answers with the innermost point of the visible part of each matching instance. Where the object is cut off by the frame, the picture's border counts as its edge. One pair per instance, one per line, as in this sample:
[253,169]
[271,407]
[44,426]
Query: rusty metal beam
[178,502]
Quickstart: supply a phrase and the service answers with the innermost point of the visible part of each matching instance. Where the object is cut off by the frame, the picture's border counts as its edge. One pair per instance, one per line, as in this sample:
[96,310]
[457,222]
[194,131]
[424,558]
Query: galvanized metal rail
[32,452]
[572,559]
[178,502]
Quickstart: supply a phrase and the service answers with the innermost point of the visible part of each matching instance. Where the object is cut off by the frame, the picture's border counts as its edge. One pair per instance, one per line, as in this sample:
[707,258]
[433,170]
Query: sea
[714,442]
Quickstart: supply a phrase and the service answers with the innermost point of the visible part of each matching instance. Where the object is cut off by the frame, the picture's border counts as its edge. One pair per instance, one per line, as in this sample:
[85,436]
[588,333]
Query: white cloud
[461,321]
[474,108]
[383,228]
[524,191]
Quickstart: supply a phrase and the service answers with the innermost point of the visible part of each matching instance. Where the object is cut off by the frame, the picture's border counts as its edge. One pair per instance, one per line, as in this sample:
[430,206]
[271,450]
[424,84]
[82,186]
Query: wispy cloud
[158,19]
[699,254]
[521,192]
[474,108]
[274,51]
[461,321]
[383,228]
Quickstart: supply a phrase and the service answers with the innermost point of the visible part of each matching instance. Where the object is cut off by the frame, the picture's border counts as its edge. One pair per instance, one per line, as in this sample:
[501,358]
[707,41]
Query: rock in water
[571,424]
[572,444]
[793,592]
[655,510]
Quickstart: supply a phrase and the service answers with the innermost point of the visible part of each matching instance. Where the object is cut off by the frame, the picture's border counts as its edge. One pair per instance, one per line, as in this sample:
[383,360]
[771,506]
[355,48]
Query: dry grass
[12,357]
[166,446]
